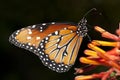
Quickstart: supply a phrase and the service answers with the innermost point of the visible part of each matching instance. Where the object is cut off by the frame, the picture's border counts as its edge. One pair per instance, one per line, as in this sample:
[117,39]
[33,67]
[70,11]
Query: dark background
[19,64]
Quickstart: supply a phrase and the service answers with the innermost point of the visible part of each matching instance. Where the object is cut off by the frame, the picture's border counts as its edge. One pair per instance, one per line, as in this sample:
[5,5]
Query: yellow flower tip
[95,42]
[95,48]
[91,53]
[78,70]
[86,51]
[90,45]
[83,77]
[88,61]
[99,29]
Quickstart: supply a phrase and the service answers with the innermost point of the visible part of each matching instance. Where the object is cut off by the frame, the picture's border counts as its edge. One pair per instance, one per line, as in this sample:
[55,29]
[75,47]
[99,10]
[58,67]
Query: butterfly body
[56,44]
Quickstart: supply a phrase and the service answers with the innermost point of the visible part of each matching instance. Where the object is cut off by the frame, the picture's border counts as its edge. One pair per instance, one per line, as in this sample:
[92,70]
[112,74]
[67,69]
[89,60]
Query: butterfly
[56,44]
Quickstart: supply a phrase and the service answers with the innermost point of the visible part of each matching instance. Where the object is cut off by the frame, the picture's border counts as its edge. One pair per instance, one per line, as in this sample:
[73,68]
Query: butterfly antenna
[89,37]
[89,12]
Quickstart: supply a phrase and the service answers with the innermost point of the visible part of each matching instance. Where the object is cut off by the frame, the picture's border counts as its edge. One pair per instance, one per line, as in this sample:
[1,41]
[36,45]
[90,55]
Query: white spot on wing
[23,45]
[44,24]
[61,68]
[56,32]
[29,37]
[37,38]
[65,54]
[59,46]
[66,66]
[18,30]
[42,46]
[41,56]
[65,28]
[71,31]
[46,41]
[46,63]
[22,28]
[47,59]
[16,33]
[49,34]
[38,49]
[58,40]
[57,68]
[33,26]
[43,59]
[29,43]
[31,47]
[15,37]
[41,30]
[27,46]
[33,44]
[29,31]
[53,23]
[41,27]
[46,38]
[50,64]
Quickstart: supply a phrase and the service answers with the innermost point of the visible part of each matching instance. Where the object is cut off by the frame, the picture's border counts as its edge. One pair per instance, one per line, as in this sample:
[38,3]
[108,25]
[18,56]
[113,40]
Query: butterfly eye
[56,44]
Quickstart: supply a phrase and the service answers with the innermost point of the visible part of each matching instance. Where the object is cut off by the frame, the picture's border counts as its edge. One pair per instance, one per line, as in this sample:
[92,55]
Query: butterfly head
[82,25]
[82,28]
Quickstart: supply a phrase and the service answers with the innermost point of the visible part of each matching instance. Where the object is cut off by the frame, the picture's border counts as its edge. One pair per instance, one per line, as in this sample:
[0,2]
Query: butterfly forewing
[31,36]
[56,44]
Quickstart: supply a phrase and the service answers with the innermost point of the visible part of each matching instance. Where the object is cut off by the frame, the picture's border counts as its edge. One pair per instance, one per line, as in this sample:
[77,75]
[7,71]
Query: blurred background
[19,64]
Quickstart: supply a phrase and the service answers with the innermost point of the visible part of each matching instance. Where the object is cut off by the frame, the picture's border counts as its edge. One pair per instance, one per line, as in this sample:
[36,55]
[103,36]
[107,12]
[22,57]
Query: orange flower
[97,56]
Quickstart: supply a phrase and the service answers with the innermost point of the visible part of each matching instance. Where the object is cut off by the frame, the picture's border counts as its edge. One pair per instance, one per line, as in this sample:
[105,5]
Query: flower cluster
[97,56]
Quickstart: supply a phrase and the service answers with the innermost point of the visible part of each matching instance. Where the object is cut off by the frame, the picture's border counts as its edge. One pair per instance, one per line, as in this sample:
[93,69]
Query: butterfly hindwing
[58,50]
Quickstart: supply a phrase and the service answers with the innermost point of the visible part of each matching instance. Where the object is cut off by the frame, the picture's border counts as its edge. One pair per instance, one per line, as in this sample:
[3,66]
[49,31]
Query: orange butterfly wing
[31,36]
[57,44]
